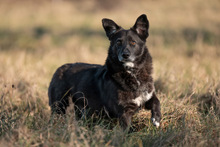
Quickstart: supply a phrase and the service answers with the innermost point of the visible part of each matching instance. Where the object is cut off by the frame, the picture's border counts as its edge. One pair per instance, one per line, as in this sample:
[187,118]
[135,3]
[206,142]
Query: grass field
[38,37]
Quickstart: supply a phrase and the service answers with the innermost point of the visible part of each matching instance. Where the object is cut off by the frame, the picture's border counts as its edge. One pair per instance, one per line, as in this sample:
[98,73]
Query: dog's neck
[126,78]
[131,80]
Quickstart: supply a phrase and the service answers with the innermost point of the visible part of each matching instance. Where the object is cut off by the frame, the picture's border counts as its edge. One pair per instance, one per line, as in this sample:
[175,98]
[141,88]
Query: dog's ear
[110,27]
[141,27]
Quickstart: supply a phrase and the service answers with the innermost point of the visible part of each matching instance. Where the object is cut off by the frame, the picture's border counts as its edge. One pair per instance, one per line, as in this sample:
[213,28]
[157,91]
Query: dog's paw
[156,123]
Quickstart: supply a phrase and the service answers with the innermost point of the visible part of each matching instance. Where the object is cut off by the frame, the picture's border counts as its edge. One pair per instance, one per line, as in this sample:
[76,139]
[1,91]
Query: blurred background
[38,36]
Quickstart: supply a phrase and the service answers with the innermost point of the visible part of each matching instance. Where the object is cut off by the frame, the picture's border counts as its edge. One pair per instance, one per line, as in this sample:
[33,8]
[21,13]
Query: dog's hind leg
[154,105]
[58,108]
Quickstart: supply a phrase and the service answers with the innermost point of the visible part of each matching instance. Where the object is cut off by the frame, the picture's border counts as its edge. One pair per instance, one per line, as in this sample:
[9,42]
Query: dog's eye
[133,43]
[119,42]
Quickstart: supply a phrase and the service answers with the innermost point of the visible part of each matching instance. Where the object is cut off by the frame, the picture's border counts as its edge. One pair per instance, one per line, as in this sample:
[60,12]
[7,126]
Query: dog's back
[68,81]
[89,86]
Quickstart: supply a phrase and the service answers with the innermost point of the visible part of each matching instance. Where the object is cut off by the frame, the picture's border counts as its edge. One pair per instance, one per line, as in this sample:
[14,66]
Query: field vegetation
[36,37]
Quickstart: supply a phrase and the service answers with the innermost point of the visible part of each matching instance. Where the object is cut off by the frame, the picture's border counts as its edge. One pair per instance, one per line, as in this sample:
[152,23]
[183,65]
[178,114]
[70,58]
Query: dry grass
[36,38]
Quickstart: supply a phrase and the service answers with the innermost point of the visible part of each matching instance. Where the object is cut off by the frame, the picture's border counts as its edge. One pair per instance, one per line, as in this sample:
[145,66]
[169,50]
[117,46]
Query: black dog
[120,87]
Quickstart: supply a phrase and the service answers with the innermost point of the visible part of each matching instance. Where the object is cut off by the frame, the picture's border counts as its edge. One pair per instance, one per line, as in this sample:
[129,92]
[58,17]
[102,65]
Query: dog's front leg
[154,105]
[125,119]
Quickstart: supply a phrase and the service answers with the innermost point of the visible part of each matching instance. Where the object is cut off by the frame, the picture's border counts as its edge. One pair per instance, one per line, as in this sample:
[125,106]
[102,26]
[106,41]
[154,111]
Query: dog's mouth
[127,63]
[124,60]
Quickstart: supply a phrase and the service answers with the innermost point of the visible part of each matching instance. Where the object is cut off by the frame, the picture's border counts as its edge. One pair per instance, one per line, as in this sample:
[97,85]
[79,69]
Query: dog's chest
[138,90]
[142,98]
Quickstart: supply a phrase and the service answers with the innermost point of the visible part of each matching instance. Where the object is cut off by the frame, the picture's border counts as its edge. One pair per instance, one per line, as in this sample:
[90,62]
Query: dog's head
[127,46]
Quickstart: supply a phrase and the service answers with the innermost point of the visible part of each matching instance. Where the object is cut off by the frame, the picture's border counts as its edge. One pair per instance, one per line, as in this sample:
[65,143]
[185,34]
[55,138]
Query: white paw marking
[144,97]
[156,123]
[129,64]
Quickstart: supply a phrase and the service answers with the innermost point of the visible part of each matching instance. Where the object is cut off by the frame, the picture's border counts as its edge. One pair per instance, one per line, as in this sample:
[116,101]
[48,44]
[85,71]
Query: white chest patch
[144,97]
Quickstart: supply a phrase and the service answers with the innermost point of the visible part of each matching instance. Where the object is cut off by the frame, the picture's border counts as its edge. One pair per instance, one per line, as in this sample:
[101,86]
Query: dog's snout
[126,54]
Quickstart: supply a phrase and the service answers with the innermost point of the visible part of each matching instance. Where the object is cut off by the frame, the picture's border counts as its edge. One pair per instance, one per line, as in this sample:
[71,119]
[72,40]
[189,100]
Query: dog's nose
[126,54]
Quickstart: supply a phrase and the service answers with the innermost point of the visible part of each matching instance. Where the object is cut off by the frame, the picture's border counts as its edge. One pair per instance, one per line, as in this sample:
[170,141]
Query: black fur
[125,76]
